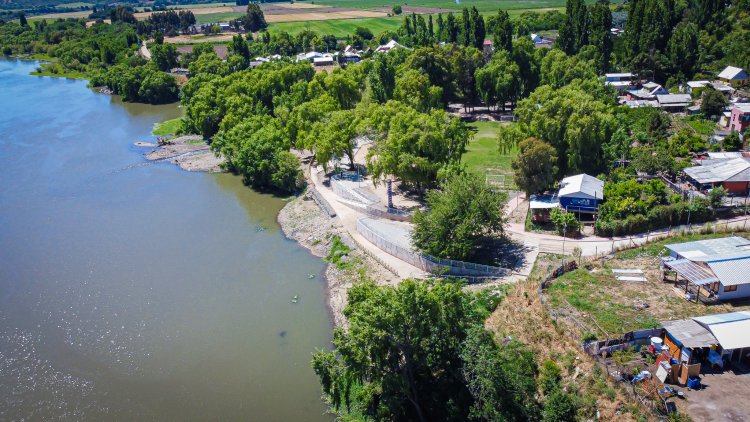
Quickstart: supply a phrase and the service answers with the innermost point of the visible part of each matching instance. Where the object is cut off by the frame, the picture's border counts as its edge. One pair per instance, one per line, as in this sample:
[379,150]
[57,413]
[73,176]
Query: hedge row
[658,217]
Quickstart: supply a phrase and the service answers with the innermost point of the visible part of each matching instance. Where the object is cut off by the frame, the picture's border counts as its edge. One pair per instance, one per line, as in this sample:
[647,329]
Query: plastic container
[657,342]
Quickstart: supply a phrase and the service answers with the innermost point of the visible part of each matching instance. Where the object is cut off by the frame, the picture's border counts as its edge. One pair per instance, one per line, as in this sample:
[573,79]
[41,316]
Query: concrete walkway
[349,217]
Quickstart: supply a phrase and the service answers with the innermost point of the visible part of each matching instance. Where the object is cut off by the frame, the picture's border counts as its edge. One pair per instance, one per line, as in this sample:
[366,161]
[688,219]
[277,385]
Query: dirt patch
[196,39]
[222,51]
[190,152]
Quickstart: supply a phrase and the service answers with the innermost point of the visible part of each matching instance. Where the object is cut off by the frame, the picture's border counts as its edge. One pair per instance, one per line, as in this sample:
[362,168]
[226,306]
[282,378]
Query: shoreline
[303,221]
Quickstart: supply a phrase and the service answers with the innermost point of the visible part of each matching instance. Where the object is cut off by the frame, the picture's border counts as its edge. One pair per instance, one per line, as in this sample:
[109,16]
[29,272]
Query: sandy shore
[189,152]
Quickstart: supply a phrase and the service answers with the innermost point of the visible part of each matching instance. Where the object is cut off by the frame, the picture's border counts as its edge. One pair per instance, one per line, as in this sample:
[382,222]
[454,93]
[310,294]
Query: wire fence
[426,262]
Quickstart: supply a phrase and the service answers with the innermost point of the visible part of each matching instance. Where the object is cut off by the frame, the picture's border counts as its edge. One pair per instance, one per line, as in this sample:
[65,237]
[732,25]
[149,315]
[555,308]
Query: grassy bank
[167,127]
[338,27]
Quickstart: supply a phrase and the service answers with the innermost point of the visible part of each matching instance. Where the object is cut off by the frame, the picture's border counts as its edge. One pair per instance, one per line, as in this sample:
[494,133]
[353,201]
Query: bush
[566,223]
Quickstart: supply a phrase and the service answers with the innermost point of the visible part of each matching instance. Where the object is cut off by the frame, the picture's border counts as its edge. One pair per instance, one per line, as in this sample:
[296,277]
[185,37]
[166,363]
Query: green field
[217,17]
[339,27]
[482,155]
[481,5]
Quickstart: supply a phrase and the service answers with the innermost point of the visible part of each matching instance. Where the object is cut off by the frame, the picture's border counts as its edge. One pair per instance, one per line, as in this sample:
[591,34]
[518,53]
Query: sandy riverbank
[189,152]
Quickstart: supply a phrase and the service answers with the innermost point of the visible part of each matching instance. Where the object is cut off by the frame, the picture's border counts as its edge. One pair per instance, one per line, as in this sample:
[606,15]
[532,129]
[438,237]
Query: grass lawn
[482,154]
[167,127]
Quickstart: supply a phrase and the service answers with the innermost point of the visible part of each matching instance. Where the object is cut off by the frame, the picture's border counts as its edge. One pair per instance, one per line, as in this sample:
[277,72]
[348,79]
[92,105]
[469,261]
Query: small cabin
[581,193]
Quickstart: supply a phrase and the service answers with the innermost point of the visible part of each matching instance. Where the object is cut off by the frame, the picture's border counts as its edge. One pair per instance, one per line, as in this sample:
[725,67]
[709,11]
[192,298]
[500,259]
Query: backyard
[610,307]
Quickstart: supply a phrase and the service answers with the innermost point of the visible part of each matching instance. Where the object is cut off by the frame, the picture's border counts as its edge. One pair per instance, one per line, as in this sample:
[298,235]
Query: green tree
[565,222]
[413,146]
[396,9]
[716,196]
[560,407]
[600,35]
[535,167]
[500,379]
[164,56]
[713,103]
[574,120]
[732,142]
[417,351]
[458,217]
[683,49]
[574,31]
[413,88]
[501,29]
[22,19]
[499,81]
[254,20]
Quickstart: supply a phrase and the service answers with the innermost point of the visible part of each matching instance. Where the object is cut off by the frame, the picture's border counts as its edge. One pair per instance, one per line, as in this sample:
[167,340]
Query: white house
[390,45]
[733,76]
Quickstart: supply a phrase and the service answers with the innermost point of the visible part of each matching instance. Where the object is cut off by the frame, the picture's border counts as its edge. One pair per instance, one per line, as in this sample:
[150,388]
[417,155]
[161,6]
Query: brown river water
[132,290]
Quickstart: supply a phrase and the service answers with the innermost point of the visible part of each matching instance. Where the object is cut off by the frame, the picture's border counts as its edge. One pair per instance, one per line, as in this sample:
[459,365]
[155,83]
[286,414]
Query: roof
[721,87]
[698,84]
[694,273]
[734,170]
[543,202]
[619,75]
[582,184]
[641,103]
[731,72]
[709,250]
[731,330]
[690,333]
[724,154]
[732,272]
[743,107]
[674,99]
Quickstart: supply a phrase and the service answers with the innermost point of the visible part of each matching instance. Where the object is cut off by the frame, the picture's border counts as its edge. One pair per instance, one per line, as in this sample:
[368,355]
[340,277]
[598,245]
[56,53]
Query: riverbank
[189,152]
[303,221]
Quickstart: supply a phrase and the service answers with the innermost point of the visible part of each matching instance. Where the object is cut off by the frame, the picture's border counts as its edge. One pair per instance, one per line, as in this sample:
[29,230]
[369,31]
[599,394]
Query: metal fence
[426,262]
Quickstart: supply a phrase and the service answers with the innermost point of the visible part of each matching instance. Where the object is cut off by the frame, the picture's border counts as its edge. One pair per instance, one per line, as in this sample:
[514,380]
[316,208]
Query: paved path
[144,51]
[349,217]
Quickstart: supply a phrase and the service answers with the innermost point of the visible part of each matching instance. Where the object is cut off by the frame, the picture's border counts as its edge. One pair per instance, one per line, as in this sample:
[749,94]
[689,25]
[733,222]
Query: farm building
[716,269]
[390,45]
[581,193]
[733,76]
[674,103]
[733,175]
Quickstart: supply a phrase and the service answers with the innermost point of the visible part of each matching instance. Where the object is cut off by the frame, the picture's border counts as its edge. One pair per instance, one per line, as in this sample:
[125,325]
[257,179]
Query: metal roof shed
[691,334]
[732,330]
[707,250]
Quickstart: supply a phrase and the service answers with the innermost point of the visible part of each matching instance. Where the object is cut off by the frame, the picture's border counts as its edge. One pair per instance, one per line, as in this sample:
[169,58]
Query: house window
[730,288]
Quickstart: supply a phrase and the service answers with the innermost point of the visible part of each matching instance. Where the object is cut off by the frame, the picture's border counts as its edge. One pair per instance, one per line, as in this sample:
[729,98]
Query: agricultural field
[339,27]
[481,5]
[482,155]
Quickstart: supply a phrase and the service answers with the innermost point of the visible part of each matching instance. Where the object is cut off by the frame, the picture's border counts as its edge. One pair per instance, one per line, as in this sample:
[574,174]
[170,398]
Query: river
[132,290]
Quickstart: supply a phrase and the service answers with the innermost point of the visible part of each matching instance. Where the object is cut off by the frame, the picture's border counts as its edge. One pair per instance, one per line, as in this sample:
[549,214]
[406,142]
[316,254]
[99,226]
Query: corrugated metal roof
[690,333]
[723,318]
[691,271]
[735,170]
[724,248]
[582,183]
[674,99]
[732,272]
[732,330]
[730,72]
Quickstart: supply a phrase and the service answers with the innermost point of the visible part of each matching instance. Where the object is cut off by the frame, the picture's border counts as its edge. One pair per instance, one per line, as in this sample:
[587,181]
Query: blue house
[581,193]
